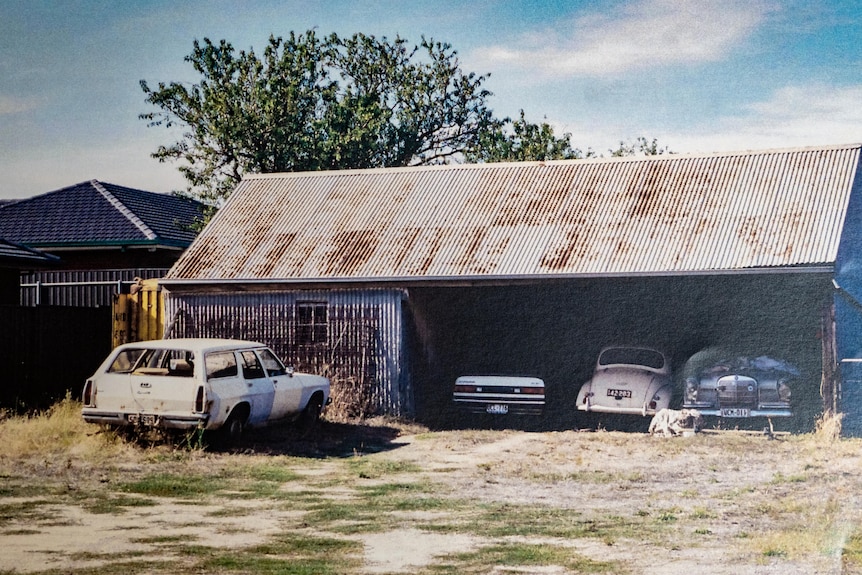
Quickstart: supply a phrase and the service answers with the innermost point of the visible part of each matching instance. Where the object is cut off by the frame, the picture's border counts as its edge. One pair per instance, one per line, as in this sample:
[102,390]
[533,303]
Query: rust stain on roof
[675,213]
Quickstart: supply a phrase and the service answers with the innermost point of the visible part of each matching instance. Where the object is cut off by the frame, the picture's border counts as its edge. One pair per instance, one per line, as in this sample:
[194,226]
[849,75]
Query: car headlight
[691,389]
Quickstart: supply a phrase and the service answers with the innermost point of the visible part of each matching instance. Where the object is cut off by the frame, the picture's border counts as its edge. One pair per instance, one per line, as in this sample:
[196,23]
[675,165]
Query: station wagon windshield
[632,356]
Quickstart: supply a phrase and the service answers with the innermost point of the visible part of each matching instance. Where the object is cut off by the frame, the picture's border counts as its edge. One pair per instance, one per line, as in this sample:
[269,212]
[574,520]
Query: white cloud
[641,35]
[793,116]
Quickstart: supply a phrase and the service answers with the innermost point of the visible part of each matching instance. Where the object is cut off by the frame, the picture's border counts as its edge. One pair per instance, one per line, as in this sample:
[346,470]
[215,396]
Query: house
[28,336]
[98,238]
[397,281]
[101,234]
[13,259]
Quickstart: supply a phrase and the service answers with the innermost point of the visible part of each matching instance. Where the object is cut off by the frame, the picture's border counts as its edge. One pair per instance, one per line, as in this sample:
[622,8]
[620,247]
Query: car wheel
[231,432]
[310,415]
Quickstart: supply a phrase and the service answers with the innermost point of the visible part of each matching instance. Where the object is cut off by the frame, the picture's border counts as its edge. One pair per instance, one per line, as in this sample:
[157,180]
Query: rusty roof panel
[661,214]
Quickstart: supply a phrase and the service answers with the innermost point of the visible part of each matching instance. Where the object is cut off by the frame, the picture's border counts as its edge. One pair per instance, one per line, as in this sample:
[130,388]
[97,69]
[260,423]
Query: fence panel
[47,351]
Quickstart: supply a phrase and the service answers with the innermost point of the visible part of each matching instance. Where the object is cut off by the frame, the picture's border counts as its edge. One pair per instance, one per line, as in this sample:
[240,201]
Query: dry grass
[828,427]
[773,504]
[58,430]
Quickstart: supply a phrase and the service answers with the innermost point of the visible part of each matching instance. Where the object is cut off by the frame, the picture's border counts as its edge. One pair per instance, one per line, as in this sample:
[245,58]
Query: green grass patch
[29,511]
[851,553]
[114,504]
[285,554]
[505,520]
[368,468]
[522,557]
[164,539]
[186,486]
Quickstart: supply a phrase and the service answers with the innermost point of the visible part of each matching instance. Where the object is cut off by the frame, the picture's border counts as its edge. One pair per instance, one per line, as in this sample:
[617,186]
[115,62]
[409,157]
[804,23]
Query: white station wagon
[209,384]
[628,380]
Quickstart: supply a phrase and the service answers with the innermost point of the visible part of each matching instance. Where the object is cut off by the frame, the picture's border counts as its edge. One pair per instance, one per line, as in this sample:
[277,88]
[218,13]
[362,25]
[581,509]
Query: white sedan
[628,380]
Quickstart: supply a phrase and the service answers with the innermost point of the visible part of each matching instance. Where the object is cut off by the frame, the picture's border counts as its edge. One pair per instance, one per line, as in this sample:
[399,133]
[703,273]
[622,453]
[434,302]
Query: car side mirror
[289,371]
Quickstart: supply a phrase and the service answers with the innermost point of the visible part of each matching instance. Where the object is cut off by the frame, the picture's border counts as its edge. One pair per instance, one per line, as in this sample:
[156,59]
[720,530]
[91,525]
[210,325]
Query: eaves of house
[16,256]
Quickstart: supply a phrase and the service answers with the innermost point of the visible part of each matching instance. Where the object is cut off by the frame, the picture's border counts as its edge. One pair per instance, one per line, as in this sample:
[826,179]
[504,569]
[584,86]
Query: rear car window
[125,361]
[143,361]
[632,356]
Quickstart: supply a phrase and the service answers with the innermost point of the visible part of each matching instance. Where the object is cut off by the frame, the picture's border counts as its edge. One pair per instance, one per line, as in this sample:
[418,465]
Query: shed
[396,281]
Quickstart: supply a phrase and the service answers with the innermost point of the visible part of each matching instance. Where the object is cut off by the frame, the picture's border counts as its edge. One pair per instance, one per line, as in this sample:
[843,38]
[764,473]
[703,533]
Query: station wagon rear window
[172,362]
[125,361]
[632,356]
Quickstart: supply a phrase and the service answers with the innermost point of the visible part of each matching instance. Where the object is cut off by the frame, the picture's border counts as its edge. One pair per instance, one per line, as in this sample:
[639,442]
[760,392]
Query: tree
[640,147]
[520,140]
[310,104]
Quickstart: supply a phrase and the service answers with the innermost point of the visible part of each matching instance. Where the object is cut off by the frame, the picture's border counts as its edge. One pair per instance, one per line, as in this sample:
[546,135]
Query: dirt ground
[715,503]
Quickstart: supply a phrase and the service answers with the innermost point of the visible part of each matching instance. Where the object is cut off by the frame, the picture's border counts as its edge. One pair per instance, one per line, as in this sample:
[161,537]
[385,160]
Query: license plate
[619,393]
[143,419]
[734,412]
[497,408]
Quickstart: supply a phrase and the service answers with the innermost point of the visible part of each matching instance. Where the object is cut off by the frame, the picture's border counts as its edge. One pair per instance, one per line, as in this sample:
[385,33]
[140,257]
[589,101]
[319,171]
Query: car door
[261,391]
[288,388]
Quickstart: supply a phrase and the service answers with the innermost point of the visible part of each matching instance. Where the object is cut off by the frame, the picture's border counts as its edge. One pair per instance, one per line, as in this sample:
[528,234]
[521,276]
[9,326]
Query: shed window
[312,323]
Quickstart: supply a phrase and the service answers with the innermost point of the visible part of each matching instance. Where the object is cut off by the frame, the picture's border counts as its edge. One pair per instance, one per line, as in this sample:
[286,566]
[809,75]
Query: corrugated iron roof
[618,216]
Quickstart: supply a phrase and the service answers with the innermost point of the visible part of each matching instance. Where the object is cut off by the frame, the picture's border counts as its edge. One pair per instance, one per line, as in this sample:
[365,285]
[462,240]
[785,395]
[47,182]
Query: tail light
[467,388]
[87,396]
[531,390]
[199,400]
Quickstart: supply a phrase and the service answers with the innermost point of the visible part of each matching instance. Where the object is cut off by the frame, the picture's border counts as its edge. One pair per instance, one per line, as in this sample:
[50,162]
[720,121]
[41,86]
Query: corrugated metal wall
[363,349]
[80,288]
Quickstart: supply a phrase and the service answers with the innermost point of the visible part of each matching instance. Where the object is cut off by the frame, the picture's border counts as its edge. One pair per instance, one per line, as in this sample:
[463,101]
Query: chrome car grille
[737,390]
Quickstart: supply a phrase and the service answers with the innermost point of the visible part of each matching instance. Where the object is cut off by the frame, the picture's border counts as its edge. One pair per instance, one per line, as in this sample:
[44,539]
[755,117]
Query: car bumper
[161,420]
[643,411]
[500,407]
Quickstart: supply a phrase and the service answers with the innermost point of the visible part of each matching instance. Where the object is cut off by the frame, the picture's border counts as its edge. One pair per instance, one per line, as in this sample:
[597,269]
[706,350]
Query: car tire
[231,432]
[310,416]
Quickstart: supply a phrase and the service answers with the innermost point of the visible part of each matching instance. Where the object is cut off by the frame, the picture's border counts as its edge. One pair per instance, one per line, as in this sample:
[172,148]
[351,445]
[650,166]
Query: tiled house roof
[93,214]
[15,255]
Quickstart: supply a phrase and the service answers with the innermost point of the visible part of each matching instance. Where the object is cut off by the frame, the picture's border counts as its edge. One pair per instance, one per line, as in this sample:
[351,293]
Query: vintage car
[628,380]
[500,394]
[738,386]
[217,385]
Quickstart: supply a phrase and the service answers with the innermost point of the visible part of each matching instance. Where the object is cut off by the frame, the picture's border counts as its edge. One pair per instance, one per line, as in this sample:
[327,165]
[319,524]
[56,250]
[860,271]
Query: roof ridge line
[121,207]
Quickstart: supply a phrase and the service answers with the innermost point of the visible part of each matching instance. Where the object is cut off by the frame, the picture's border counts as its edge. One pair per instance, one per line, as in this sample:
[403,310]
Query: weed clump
[59,430]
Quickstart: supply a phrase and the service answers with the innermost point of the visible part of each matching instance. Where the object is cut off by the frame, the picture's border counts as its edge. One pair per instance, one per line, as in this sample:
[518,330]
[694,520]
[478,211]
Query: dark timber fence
[46,352]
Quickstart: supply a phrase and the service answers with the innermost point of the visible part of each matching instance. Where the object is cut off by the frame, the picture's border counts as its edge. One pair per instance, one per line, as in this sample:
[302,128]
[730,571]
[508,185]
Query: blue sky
[698,75]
